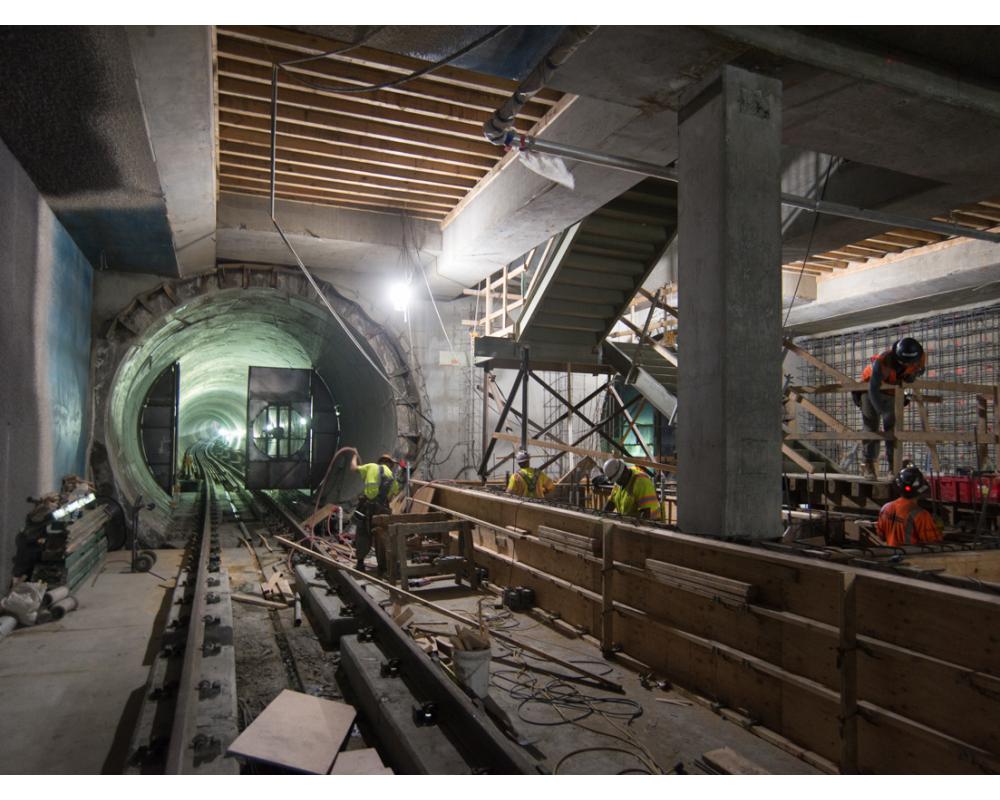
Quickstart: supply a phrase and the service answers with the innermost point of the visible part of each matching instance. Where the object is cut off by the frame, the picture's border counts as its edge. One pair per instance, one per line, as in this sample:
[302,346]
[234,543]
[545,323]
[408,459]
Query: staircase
[597,266]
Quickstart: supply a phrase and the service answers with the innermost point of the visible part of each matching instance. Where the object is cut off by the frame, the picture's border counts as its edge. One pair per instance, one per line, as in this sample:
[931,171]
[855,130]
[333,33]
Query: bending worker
[633,493]
[903,521]
[904,362]
[528,482]
[380,487]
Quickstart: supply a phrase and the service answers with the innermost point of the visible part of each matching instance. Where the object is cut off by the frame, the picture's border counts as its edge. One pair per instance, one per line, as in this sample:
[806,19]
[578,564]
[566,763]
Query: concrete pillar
[729,421]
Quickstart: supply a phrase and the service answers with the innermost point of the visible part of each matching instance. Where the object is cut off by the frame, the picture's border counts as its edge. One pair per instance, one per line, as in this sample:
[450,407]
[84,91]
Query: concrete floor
[66,686]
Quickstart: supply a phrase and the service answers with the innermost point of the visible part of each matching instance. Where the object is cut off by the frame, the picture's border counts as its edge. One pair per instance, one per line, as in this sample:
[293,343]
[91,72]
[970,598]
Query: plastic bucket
[472,668]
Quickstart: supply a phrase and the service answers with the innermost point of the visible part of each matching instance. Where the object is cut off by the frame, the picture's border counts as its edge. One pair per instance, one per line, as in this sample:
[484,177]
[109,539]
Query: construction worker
[633,493]
[904,362]
[903,521]
[528,482]
[380,487]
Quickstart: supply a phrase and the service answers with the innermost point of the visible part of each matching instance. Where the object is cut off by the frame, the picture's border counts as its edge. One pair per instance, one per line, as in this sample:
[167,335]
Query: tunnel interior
[215,338]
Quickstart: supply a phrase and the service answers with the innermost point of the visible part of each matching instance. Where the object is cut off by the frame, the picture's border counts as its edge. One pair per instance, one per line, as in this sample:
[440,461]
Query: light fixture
[399,295]
[69,508]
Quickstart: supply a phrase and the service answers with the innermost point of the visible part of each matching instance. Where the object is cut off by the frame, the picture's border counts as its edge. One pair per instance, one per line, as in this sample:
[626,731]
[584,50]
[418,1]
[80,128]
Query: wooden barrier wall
[875,673]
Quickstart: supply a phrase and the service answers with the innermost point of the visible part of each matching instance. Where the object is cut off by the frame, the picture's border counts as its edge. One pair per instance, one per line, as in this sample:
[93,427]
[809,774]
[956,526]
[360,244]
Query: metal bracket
[425,715]
[390,668]
[207,689]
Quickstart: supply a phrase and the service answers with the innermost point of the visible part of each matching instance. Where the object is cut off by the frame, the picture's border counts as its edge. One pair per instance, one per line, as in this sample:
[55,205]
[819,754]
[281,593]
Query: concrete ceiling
[909,147]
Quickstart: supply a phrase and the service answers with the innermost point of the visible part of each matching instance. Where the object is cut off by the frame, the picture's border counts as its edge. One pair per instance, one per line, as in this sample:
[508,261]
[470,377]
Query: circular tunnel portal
[215,338]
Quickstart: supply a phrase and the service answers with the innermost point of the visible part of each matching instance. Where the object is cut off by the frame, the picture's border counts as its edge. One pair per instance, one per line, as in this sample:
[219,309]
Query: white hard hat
[613,468]
[522,457]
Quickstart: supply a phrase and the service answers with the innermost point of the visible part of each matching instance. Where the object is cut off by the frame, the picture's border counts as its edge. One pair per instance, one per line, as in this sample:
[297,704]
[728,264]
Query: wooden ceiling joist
[437,194]
[289,180]
[349,200]
[236,146]
[416,147]
[350,146]
[419,94]
[309,44]
[379,134]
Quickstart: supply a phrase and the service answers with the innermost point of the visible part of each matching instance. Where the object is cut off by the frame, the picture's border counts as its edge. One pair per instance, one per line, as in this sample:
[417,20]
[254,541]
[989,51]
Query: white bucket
[472,668]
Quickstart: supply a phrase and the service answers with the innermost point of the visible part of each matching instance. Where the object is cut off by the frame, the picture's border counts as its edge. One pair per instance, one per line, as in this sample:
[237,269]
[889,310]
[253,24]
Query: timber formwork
[865,671]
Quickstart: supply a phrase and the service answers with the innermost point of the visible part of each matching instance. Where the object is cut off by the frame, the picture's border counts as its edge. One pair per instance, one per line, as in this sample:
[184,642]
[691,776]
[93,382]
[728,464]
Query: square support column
[729,240]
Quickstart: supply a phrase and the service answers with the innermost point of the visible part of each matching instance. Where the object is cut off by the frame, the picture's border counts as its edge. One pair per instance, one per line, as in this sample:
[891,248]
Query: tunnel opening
[214,338]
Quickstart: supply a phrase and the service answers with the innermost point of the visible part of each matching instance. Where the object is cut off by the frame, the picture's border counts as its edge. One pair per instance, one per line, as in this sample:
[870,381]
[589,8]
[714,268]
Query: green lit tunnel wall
[215,337]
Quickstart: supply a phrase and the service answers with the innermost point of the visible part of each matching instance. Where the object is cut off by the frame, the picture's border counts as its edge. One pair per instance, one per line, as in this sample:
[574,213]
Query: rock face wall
[46,287]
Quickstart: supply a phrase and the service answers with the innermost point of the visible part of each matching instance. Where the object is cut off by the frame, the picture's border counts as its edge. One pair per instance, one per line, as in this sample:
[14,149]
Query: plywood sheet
[297,731]
[360,762]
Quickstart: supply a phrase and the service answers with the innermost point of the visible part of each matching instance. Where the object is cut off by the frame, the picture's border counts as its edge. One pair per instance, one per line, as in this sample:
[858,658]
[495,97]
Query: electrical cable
[334,89]
[338,51]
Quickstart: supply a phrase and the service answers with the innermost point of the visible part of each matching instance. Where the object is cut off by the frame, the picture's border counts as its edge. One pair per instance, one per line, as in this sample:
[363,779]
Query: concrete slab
[67,687]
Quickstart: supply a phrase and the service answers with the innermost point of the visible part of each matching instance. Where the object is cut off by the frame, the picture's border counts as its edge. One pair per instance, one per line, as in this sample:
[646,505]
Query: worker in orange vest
[903,521]
[904,362]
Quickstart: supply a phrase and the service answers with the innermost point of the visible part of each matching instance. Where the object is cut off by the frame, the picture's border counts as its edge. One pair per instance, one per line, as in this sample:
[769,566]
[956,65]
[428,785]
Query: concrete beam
[326,238]
[942,86]
[173,66]
[938,277]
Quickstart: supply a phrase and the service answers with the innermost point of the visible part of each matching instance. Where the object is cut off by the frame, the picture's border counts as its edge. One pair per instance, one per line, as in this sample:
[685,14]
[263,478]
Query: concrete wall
[46,288]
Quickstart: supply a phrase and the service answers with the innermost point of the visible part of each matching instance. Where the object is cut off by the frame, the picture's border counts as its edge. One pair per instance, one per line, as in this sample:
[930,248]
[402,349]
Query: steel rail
[180,754]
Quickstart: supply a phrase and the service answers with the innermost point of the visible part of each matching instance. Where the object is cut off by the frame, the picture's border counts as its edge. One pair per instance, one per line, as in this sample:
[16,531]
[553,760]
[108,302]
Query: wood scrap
[572,541]
[705,584]
[253,600]
[359,762]
[729,762]
[297,731]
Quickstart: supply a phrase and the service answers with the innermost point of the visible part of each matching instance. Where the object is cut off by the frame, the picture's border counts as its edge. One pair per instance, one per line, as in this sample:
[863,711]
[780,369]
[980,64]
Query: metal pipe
[63,607]
[524,400]
[531,144]
[894,220]
[503,118]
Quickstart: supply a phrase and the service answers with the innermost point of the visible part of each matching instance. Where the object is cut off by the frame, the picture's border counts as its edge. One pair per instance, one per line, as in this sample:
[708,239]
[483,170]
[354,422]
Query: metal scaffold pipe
[531,144]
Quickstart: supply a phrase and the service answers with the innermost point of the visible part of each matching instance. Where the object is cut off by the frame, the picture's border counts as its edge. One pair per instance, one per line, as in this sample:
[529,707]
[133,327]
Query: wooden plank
[332,71]
[797,459]
[297,731]
[580,451]
[707,580]
[821,365]
[926,425]
[848,657]
[237,127]
[240,186]
[250,100]
[290,94]
[922,617]
[295,179]
[587,543]
[252,599]
[819,413]
[359,762]
[729,762]
[318,168]
[392,62]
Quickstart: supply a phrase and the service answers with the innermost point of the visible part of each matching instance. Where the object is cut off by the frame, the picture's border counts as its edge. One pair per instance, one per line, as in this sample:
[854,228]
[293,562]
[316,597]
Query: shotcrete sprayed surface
[215,338]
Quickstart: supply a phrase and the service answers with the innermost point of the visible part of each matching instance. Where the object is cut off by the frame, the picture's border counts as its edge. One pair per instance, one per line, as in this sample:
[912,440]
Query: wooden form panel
[925,672]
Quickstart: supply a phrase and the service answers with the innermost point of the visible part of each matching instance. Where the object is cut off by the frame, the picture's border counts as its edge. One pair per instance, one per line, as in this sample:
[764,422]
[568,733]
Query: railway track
[188,717]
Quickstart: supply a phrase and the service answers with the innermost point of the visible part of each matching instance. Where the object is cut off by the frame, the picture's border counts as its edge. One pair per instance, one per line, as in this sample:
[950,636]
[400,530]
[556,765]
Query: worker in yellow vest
[380,486]
[633,493]
[528,482]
